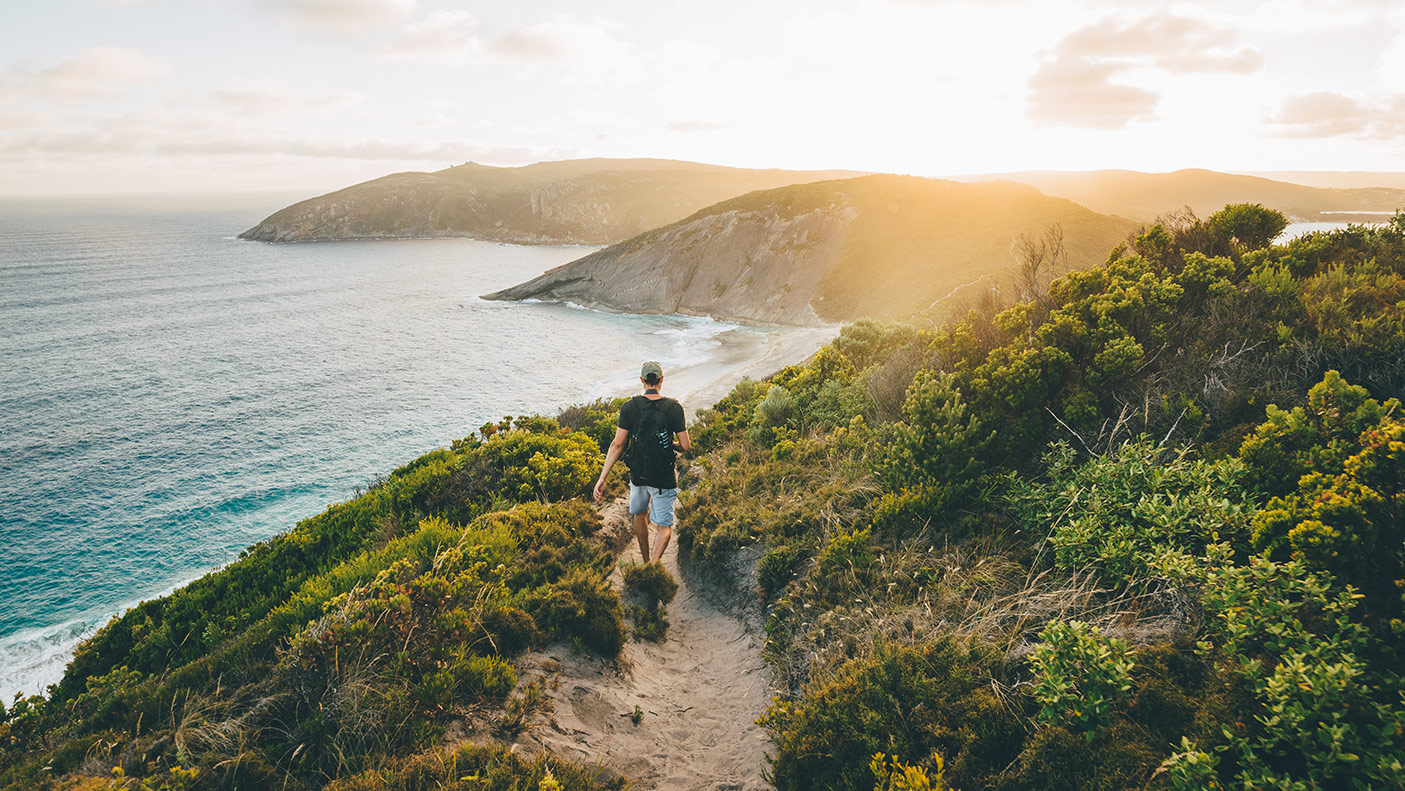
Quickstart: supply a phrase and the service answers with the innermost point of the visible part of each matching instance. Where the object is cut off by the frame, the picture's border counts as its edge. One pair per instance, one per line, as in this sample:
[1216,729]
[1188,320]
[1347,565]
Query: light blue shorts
[658,502]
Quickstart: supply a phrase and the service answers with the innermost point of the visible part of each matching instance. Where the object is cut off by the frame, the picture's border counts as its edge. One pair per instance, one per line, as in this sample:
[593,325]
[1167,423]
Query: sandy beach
[753,352]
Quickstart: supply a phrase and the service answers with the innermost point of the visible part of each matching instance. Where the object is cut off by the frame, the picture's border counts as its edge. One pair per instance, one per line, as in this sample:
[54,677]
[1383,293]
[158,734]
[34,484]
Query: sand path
[701,692]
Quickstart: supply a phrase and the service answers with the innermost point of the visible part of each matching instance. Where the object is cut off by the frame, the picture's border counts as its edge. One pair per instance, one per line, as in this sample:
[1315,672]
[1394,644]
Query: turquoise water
[170,394]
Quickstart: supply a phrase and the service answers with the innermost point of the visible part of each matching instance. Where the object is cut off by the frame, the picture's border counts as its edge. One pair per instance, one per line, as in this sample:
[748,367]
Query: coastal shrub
[580,605]
[648,587]
[1317,437]
[650,581]
[749,493]
[596,420]
[908,702]
[510,630]
[163,634]
[1249,224]
[1079,675]
[555,538]
[1350,520]
[890,774]
[1323,706]
[867,342]
[518,466]
[940,443]
[847,552]
[480,767]
[728,417]
[1114,512]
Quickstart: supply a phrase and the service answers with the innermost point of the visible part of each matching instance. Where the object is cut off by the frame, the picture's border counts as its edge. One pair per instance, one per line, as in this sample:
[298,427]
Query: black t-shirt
[673,417]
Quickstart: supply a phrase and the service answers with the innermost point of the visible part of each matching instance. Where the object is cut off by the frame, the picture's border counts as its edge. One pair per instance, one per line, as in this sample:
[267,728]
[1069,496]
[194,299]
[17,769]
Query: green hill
[583,201]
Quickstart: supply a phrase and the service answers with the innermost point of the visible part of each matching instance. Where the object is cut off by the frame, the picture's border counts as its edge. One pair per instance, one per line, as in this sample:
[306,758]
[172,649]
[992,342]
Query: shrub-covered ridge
[1138,530]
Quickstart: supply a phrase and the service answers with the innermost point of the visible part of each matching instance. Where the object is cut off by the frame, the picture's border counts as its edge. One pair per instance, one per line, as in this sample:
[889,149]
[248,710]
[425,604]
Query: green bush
[1293,443]
[909,702]
[650,581]
[580,605]
[1079,675]
[941,442]
[1323,714]
[1114,512]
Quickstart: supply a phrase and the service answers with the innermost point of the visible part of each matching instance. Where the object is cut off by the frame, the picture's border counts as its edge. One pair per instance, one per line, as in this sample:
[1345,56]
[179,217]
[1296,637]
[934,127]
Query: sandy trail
[701,692]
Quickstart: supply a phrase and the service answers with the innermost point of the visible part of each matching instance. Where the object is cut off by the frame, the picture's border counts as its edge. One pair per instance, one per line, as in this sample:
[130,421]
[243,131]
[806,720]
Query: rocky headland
[879,246]
[587,201]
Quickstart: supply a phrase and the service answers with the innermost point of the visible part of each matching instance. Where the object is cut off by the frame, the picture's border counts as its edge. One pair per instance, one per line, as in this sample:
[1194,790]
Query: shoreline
[781,347]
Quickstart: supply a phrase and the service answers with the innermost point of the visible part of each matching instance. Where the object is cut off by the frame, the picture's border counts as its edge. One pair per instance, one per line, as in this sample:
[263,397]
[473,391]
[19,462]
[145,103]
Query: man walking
[648,424]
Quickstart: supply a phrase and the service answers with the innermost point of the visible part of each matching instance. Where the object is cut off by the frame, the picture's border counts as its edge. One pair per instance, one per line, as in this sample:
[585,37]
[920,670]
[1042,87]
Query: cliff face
[878,246]
[579,202]
[762,265]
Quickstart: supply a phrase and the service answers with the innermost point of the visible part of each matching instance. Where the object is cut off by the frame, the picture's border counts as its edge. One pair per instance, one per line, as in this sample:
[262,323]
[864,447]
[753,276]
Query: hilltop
[879,246]
[583,201]
[1146,196]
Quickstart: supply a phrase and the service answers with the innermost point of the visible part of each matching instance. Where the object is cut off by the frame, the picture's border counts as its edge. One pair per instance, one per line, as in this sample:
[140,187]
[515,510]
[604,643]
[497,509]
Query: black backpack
[651,442]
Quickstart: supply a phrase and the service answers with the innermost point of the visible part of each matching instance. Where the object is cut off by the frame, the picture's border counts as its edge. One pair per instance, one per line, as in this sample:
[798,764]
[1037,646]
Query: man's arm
[612,456]
[684,443]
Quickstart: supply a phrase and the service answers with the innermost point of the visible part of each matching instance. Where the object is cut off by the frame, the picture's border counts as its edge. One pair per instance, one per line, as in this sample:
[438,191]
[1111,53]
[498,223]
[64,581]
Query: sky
[121,96]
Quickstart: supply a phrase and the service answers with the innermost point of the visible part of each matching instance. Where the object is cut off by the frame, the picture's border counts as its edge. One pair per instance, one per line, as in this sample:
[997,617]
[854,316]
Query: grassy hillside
[1140,530]
[1146,196]
[585,201]
[877,246]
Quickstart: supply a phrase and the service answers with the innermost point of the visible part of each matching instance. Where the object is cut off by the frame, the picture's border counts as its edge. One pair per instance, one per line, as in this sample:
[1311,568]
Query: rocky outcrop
[575,202]
[879,246]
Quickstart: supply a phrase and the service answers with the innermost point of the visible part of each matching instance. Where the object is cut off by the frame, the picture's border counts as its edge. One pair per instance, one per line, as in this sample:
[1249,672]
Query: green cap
[651,369]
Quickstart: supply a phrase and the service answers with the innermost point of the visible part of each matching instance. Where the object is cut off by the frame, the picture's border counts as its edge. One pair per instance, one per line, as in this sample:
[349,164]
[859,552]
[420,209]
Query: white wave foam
[33,659]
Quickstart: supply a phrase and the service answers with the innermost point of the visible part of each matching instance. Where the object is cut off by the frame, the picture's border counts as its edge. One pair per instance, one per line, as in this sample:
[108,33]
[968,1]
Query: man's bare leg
[641,532]
[665,533]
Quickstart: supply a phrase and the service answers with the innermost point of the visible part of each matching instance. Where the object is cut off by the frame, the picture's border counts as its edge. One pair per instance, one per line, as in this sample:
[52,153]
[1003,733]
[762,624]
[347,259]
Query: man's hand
[599,489]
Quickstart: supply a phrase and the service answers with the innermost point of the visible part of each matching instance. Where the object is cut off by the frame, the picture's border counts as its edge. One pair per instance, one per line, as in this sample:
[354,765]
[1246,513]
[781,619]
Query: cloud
[445,36]
[211,134]
[1323,114]
[1084,82]
[1178,44]
[349,148]
[100,72]
[1082,93]
[27,121]
[589,48]
[696,126]
[268,97]
[433,121]
[554,39]
[340,17]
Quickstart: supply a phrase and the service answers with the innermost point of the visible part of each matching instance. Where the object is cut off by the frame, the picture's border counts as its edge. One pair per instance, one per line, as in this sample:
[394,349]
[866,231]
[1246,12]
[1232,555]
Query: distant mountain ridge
[1145,196]
[879,246]
[584,201]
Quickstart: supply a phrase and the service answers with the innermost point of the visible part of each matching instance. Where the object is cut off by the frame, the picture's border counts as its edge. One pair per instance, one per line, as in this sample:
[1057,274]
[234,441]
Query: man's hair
[652,379]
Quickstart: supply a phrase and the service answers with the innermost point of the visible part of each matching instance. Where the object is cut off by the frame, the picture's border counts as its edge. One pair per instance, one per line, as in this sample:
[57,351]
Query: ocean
[170,394]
